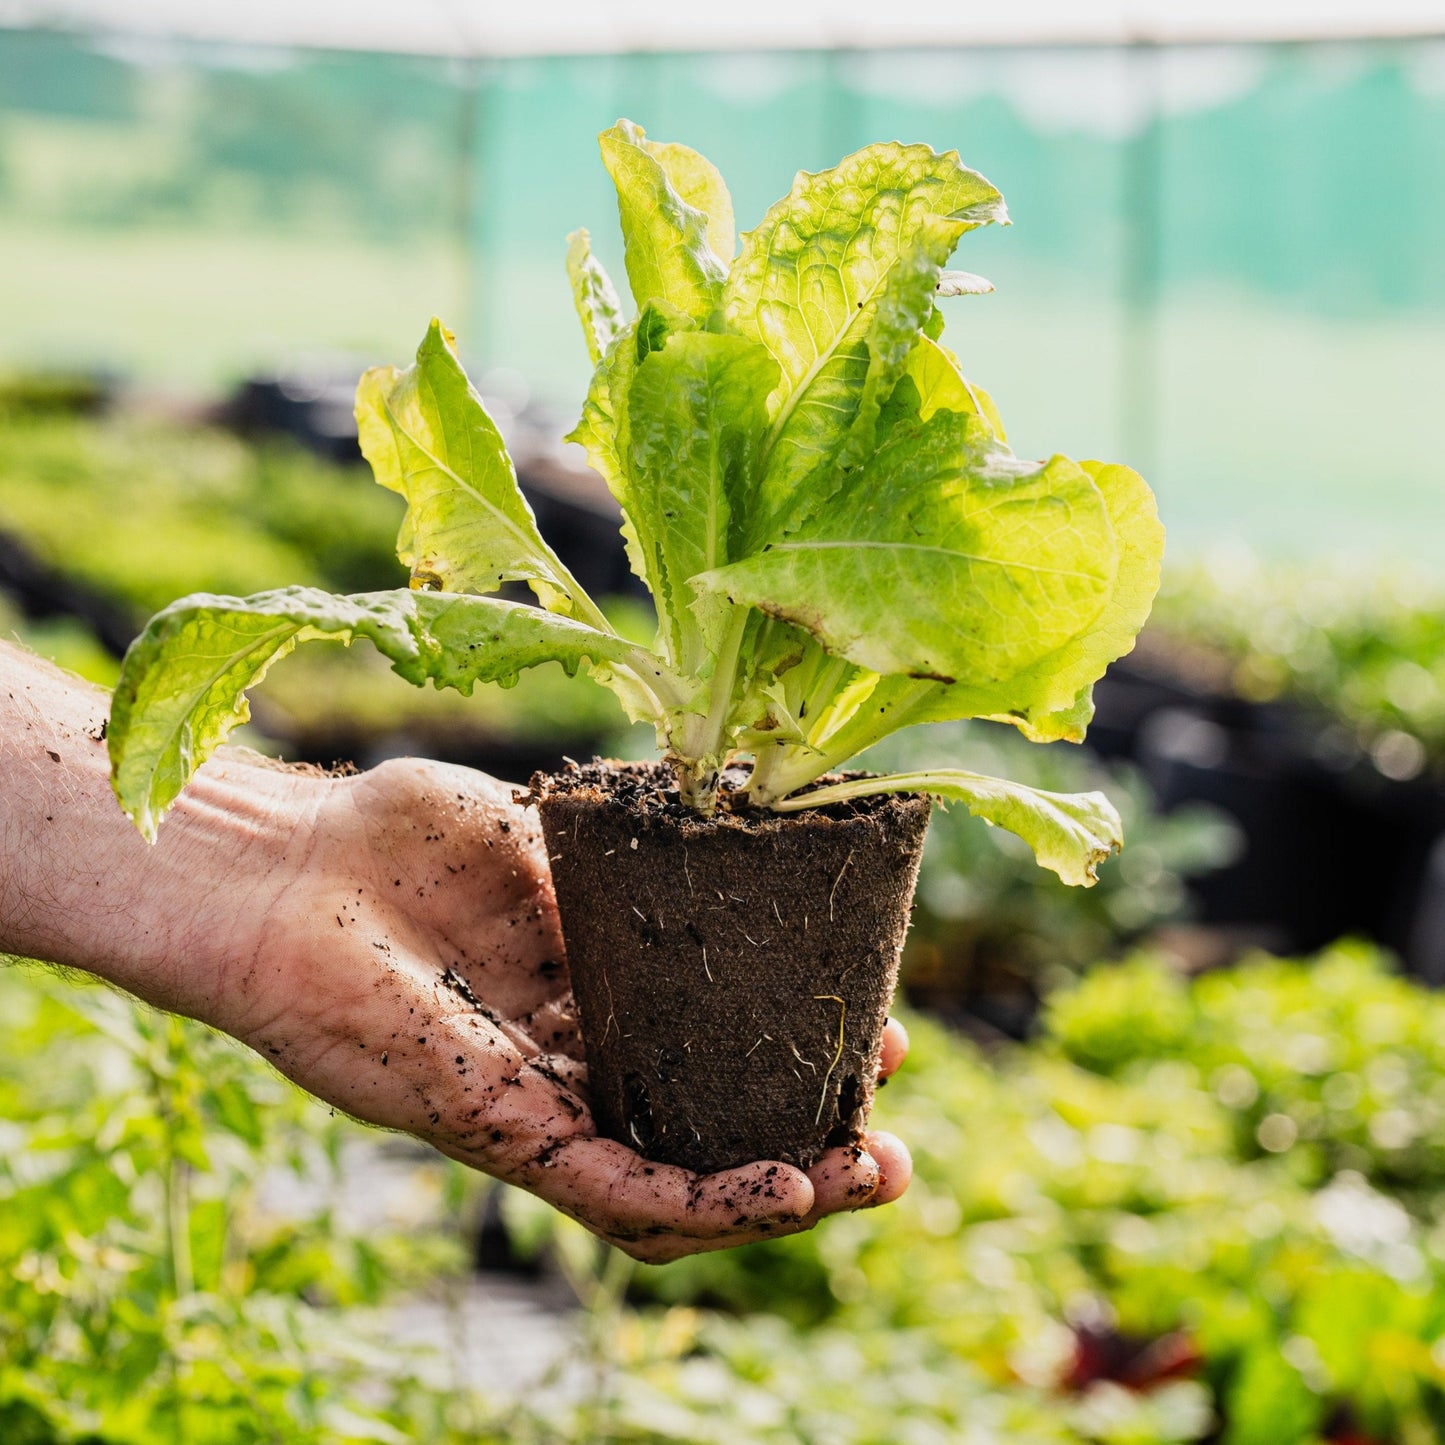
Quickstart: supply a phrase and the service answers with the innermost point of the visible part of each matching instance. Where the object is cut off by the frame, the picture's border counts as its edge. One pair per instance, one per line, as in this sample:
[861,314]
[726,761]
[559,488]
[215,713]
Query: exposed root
[611,1010]
[833,892]
[842,1017]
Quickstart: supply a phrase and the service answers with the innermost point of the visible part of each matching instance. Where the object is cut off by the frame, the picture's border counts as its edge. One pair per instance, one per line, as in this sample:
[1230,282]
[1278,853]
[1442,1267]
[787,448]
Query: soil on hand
[733,975]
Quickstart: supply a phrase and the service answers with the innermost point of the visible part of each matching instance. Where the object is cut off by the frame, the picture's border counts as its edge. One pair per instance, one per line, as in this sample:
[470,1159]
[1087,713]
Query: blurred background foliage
[1183,1211]
[1170,1188]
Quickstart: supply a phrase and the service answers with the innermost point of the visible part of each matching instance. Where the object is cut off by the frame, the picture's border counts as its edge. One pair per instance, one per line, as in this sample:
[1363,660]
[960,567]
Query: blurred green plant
[135,508]
[139,510]
[1109,1234]
[1342,1068]
[64,640]
[66,393]
[1366,646]
[1188,1211]
[179,1261]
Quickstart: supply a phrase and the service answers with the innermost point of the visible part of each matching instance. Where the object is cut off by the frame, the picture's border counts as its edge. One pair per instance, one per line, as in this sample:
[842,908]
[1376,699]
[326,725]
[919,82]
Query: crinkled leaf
[942,387]
[700,185]
[1070,833]
[1052,698]
[604,432]
[468,527]
[944,558]
[183,682]
[836,282]
[666,236]
[598,308]
[697,411]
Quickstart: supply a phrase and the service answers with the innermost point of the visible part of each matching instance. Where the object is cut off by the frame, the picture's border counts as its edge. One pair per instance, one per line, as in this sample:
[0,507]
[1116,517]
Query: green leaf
[236,1111]
[667,236]
[1070,833]
[604,430]
[1267,1401]
[700,185]
[1053,697]
[941,386]
[183,682]
[598,308]
[468,527]
[697,411]
[836,282]
[945,558]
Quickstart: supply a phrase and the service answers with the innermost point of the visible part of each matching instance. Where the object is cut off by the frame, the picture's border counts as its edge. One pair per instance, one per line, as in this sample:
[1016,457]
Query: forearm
[78,884]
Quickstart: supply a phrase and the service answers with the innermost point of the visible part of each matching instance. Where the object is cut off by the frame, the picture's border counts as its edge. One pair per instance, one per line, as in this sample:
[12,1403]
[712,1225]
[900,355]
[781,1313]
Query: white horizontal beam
[582,27]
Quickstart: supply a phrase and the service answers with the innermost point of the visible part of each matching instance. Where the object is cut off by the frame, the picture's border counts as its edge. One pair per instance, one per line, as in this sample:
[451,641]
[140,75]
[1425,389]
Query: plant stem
[175,1181]
[766,763]
[601,1289]
[799,767]
[857,788]
[178,1224]
[723,678]
[704,742]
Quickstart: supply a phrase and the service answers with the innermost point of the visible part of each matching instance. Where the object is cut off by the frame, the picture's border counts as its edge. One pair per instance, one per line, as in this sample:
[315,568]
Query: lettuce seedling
[838,540]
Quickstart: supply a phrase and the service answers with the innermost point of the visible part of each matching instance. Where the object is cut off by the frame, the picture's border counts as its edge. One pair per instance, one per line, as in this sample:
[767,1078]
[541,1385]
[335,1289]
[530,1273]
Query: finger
[874,1171]
[566,1070]
[554,1027]
[857,1176]
[843,1178]
[631,1200]
[894,1050]
[895,1166]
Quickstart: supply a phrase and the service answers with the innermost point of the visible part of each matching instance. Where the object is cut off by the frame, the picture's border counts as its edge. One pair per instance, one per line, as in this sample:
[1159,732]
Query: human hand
[410,971]
[388,940]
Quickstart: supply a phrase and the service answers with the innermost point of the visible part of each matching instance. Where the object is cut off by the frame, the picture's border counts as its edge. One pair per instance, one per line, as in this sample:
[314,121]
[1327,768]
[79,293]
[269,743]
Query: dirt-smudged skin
[414,1028]
[733,976]
[388,940]
[446,1010]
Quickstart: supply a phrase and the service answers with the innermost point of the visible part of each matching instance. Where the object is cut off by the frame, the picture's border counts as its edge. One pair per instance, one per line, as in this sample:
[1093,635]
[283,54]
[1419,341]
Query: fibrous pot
[732,974]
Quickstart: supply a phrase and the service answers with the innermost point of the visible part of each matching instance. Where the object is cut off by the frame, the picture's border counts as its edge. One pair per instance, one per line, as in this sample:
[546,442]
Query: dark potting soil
[733,975]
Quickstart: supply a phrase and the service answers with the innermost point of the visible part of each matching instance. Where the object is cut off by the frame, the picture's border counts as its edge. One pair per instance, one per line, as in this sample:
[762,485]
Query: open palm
[412,972]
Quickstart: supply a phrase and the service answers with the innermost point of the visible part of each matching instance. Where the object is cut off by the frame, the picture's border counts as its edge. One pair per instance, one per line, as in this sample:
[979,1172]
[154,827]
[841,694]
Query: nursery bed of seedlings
[1185,1212]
